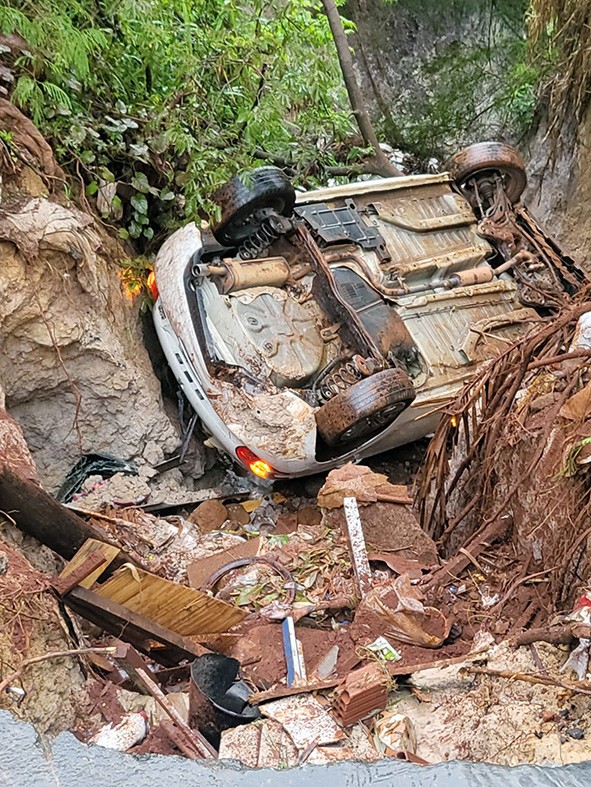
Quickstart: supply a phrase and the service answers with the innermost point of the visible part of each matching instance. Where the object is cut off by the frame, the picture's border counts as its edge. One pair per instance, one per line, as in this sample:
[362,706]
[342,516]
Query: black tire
[365,408]
[487,157]
[268,188]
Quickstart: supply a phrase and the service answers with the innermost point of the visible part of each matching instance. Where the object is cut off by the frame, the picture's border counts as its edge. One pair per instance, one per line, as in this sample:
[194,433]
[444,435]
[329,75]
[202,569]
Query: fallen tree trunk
[37,514]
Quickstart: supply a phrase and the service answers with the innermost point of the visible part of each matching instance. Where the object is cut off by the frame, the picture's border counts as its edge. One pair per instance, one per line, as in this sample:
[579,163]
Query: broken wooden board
[37,514]
[131,627]
[90,565]
[138,670]
[181,609]
[200,571]
[357,545]
[91,545]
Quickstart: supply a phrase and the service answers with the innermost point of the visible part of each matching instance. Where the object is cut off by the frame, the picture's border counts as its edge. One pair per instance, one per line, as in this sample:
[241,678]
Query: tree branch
[46,656]
[385,166]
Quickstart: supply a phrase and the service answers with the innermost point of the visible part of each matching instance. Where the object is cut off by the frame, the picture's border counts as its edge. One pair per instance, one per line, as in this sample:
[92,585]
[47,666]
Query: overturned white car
[307,330]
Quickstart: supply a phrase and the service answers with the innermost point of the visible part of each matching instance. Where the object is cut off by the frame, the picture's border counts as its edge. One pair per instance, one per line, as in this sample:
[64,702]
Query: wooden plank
[90,546]
[186,611]
[276,692]
[137,669]
[357,546]
[90,565]
[37,514]
[131,627]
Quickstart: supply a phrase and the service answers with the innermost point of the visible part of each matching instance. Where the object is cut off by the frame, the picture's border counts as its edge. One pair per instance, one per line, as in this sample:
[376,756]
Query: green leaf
[106,175]
[87,157]
[140,182]
[134,230]
[140,203]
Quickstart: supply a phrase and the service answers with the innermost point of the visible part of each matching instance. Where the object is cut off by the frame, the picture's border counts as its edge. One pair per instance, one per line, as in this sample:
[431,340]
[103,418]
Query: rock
[575,732]
[209,515]
[14,452]
[3,562]
[153,453]
[73,365]
[390,527]
[238,514]
[309,516]
[548,715]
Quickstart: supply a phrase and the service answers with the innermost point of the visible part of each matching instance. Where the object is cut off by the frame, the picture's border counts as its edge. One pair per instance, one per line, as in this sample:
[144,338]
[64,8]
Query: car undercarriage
[334,324]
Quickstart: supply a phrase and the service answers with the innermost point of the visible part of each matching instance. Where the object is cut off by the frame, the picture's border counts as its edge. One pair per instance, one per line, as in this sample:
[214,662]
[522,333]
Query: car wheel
[365,408]
[267,188]
[486,158]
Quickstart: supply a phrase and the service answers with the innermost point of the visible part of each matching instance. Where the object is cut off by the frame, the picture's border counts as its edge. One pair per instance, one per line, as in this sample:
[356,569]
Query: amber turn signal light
[256,465]
[151,285]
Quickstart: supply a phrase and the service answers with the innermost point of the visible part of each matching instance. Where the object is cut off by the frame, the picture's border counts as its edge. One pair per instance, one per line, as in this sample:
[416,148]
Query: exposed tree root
[502,449]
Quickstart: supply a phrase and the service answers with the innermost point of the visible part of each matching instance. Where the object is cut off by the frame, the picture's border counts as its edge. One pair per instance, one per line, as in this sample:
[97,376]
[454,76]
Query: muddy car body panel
[393,270]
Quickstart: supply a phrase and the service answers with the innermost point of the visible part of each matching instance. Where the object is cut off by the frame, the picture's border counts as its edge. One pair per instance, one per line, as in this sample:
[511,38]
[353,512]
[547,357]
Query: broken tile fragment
[305,720]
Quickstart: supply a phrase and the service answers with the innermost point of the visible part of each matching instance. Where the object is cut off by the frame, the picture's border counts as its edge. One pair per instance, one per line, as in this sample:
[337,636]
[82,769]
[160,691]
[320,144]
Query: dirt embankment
[559,190]
[73,365]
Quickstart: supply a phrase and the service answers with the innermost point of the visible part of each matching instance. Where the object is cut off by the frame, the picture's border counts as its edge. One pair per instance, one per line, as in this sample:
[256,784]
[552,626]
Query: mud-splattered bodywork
[392,267]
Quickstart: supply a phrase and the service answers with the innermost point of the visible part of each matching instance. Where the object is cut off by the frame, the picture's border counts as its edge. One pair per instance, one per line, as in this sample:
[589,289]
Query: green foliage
[167,99]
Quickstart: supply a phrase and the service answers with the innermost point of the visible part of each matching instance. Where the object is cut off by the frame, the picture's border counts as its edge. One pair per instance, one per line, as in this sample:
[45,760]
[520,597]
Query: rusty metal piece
[343,256]
[247,561]
[480,275]
[345,373]
[326,293]
[361,693]
[401,214]
[522,256]
[243,274]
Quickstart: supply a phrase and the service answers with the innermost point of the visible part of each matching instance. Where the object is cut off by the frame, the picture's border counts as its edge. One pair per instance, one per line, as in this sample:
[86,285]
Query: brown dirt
[157,741]
[260,651]
[32,625]
[390,528]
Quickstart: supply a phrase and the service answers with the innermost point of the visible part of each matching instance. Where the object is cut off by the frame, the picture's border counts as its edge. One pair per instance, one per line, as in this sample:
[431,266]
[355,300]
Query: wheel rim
[372,423]
[245,222]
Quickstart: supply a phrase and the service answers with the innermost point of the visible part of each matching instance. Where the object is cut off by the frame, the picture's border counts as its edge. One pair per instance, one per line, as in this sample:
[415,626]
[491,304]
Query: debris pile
[520,435]
[283,629]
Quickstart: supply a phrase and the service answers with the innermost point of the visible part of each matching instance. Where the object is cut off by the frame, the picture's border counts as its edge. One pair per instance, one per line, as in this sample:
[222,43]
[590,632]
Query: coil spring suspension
[490,195]
[346,375]
[270,230]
